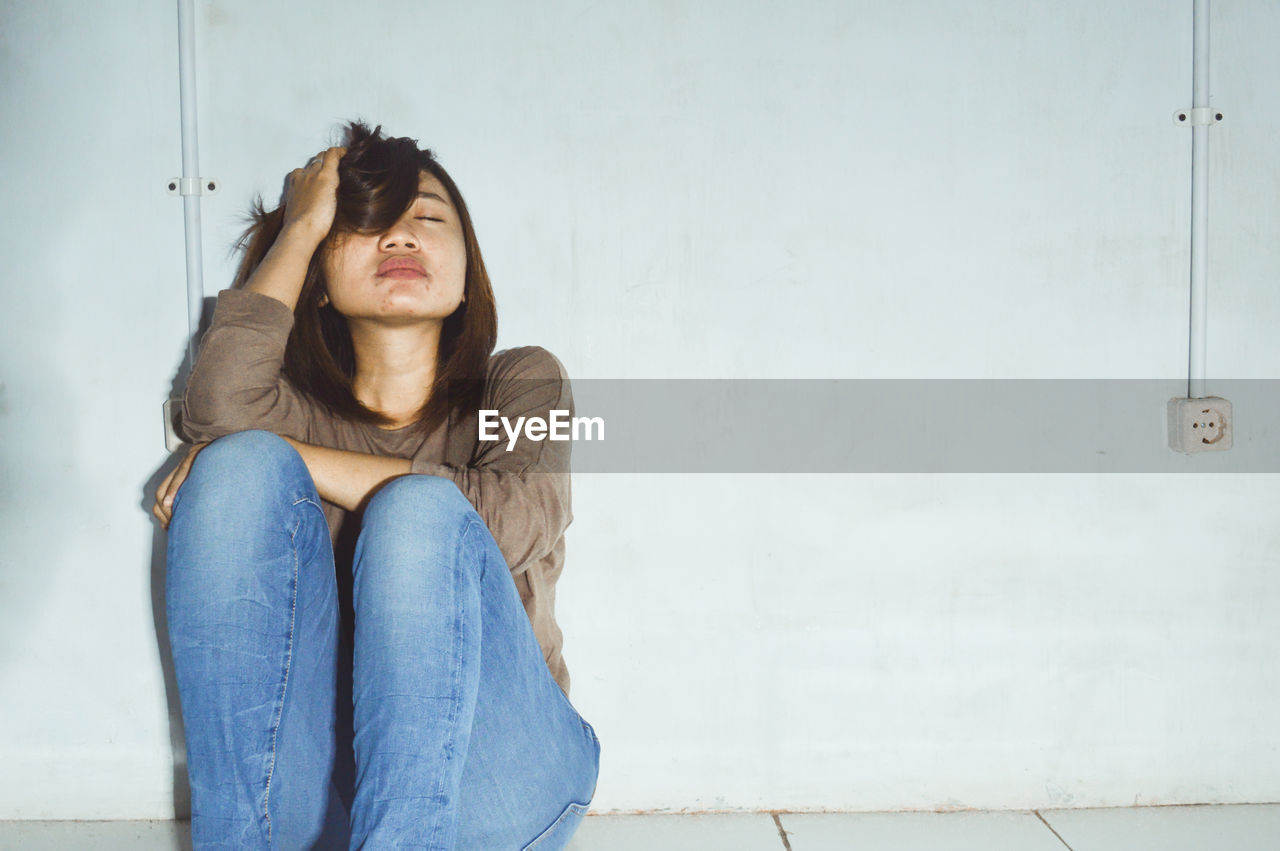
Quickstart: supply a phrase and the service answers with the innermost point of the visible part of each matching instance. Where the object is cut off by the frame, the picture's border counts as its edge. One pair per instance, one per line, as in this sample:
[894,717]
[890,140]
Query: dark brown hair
[377,181]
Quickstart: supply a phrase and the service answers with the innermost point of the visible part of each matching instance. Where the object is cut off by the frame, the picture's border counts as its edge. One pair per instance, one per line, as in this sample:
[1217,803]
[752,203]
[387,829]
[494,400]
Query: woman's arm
[237,383]
[311,203]
[284,268]
[522,493]
[347,478]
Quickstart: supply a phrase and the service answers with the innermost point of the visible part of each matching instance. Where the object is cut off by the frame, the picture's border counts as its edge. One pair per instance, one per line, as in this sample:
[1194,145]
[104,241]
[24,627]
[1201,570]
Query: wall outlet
[1199,425]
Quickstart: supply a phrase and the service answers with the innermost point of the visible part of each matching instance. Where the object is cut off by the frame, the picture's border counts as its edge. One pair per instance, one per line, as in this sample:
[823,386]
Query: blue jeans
[460,737]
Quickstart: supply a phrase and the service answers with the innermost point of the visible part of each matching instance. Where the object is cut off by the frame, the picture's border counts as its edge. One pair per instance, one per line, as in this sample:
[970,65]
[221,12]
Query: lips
[400,266]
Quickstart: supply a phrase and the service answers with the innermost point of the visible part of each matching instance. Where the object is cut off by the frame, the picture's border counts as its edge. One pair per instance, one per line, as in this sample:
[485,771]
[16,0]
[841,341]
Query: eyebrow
[422,194]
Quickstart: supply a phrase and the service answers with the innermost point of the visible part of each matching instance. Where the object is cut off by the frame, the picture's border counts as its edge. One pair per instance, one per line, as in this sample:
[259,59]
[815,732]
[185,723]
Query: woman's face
[415,270]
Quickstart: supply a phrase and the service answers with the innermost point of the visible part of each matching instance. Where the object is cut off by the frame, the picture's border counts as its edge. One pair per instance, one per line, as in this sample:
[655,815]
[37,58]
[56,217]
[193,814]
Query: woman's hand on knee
[163,509]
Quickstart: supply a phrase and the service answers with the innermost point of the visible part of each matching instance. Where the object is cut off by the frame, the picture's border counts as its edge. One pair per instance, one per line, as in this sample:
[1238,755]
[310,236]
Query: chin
[416,313]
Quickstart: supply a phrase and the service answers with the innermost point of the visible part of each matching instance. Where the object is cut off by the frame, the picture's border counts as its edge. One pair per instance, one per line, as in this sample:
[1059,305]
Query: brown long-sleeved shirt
[523,495]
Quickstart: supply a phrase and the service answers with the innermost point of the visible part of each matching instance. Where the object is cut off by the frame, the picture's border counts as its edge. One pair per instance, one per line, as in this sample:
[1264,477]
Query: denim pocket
[557,836]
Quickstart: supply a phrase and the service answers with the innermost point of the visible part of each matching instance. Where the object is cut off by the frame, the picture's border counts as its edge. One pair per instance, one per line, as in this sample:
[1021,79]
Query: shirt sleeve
[522,494]
[238,381]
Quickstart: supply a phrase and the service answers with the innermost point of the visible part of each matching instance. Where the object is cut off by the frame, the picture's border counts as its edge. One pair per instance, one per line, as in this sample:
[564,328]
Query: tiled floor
[1254,827]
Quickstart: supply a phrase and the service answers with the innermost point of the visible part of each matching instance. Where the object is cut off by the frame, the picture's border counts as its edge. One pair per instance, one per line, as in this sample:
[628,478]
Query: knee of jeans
[254,450]
[419,495]
[244,465]
[408,522]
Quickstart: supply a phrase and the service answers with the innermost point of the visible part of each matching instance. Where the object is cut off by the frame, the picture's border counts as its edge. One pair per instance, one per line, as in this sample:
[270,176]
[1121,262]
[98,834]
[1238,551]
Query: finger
[166,505]
[164,486]
[331,158]
[180,474]
[167,502]
[165,508]
[182,471]
[172,482]
[161,513]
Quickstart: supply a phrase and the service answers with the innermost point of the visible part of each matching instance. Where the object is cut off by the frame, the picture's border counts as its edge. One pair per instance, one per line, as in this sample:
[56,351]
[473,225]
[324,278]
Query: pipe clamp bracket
[192,186]
[1197,117]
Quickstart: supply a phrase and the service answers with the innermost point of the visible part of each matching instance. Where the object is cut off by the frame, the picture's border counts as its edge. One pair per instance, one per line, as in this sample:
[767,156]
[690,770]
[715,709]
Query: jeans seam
[471,523]
[459,634]
[288,665]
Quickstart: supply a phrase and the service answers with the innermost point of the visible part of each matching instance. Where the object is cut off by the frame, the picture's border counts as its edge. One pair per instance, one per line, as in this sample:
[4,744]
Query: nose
[397,236]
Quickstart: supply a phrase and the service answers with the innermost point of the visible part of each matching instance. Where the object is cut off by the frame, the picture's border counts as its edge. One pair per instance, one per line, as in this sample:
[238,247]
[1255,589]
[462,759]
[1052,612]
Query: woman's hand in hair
[311,196]
[163,509]
[310,202]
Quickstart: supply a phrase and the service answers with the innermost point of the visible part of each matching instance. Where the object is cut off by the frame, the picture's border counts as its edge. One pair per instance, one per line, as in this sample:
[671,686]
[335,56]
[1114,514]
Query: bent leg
[415,593]
[251,602]
[463,738]
[533,762]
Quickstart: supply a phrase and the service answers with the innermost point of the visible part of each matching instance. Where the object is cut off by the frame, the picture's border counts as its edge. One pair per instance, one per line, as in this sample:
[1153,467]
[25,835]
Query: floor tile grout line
[1051,830]
[786,843]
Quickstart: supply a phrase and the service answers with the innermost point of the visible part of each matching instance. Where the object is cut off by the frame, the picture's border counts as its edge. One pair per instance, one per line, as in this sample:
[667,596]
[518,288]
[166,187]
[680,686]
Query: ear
[324,299]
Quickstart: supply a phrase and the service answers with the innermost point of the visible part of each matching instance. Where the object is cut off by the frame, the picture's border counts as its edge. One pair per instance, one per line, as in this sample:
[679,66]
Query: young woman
[334,411]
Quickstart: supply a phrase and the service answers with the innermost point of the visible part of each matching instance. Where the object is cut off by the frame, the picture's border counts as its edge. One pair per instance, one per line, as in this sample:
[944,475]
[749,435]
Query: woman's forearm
[347,478]
[284,268]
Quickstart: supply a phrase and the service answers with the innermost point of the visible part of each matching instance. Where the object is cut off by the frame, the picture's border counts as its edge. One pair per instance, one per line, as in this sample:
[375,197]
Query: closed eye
[428,218]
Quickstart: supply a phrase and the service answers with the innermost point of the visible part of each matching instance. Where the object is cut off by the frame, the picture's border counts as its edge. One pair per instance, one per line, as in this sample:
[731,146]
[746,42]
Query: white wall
[840,190]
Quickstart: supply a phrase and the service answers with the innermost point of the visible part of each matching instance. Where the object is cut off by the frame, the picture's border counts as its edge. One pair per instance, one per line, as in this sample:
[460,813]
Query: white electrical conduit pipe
[190,169]
[190,186]
[1199,200]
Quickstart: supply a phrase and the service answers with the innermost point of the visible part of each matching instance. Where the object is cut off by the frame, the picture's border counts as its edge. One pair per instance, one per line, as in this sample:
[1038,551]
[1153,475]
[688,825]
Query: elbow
[209,415]
[195,426]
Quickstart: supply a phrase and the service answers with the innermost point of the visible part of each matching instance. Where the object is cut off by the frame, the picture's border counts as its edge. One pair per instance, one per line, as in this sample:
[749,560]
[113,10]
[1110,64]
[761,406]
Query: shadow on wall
[159,548]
